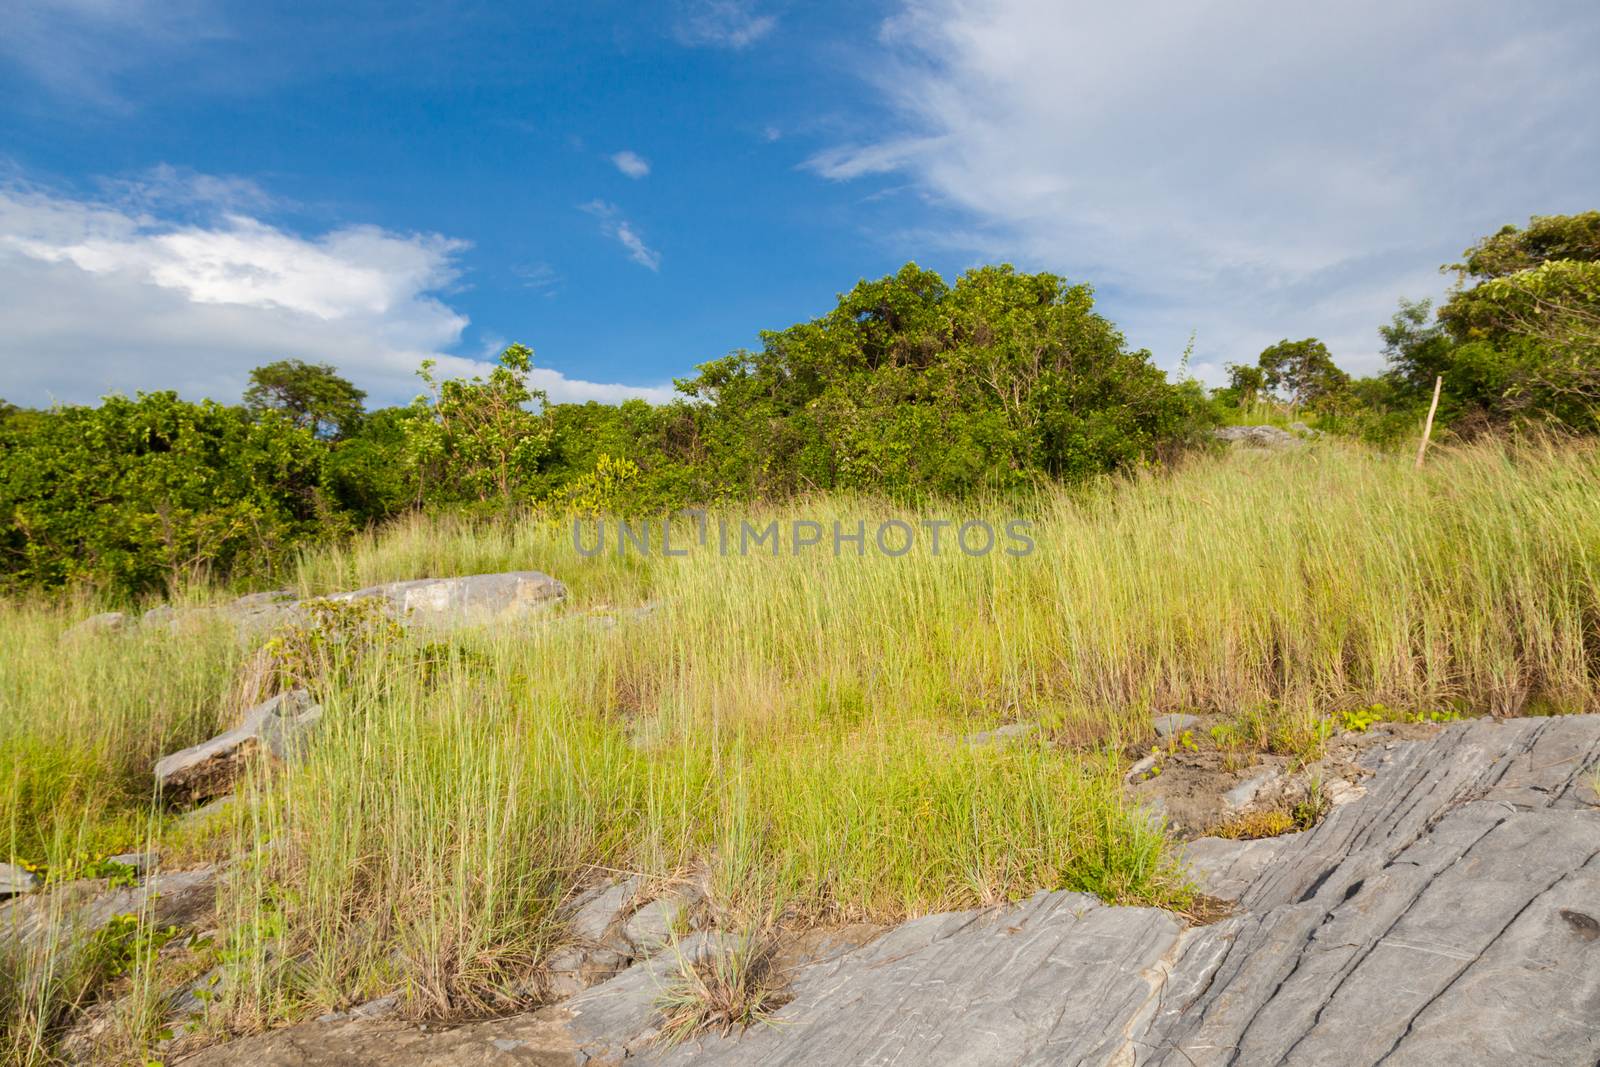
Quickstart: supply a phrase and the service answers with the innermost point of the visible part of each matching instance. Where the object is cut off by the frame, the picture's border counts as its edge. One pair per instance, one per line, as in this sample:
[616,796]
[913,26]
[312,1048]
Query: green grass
[791,726]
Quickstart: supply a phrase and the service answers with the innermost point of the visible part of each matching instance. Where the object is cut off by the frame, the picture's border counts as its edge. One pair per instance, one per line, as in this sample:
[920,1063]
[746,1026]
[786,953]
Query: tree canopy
[312,395]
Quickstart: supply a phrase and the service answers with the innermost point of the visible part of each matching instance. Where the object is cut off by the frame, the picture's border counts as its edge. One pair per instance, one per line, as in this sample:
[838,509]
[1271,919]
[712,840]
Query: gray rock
[655,923]
[1435,920]
[1172,725]
[177,898]
[107,622]
[445,603]
[15,881]
[281,725]
[595,948]
[141,862]
[1257,437]
[1057,979]
[1225,869]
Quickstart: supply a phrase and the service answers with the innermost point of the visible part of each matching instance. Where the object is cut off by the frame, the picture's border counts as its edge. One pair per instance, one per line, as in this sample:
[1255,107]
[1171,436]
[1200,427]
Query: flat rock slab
[15,880]
[1449,916]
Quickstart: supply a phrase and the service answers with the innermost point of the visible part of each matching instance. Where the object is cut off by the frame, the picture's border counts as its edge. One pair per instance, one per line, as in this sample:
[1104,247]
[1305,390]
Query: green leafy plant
[320,648]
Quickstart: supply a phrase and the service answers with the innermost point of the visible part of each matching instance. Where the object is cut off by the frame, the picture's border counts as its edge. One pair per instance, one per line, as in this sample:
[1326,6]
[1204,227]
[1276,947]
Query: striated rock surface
[1451,915]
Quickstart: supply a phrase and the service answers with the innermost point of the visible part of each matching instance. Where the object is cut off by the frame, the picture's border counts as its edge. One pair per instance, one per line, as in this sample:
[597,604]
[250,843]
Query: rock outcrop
[170,897]
[1450,915]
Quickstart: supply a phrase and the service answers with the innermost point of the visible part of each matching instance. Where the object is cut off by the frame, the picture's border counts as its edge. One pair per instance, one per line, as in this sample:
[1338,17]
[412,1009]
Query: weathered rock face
[1449,916]
[1440,919]
[280,725]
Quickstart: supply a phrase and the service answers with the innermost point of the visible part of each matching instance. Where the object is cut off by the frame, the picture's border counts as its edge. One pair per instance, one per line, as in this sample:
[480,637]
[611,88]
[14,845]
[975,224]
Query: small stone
[377,1008]
[1137,772]
[1245,793]
[1172,725]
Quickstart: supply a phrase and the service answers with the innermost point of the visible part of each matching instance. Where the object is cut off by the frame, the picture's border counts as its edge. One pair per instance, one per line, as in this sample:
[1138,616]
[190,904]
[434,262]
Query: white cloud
[631,163]
[723,23]
[99,297]
[619,229]
[1247,170]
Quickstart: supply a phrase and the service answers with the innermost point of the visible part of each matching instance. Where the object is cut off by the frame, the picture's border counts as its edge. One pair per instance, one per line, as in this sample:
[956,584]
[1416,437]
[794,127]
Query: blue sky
[189,188]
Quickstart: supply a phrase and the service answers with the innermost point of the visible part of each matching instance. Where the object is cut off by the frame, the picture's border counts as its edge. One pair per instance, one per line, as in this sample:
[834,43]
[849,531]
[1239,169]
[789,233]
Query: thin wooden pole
[1427,430]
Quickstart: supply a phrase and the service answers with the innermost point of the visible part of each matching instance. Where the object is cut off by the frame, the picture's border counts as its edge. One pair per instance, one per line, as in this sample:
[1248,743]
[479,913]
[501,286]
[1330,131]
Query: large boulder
[446,603]
[280,726]
[1270,437]
[429,603]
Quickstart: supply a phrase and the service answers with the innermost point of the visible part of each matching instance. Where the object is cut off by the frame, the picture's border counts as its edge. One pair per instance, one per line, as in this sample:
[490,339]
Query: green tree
[914,386]
[1524,326]
[1303,373]
[311,395]
[478,439]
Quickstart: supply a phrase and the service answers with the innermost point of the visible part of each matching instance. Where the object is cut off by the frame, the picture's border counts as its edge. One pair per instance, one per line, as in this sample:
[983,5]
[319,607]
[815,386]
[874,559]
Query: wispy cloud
[619,229]
[723,23]
[540,277]
[631,163]
[98,295]
[82,48]
[1249,170]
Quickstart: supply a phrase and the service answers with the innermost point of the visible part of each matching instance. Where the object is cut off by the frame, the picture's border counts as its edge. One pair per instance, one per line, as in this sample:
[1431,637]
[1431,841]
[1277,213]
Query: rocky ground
[1451,914]
[1445,910]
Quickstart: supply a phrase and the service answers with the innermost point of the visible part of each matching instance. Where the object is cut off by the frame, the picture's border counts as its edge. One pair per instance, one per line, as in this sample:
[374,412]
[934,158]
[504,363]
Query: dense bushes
[909,387]
[152,492]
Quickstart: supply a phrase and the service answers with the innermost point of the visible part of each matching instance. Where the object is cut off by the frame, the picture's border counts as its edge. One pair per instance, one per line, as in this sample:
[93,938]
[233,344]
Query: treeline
[910,387]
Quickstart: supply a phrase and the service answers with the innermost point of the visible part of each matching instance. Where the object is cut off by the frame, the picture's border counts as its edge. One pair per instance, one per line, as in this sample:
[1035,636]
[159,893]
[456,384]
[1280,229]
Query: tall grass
[791,726]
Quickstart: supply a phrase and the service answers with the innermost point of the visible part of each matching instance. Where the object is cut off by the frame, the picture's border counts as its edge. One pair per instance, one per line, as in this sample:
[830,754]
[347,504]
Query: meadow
[789,726]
